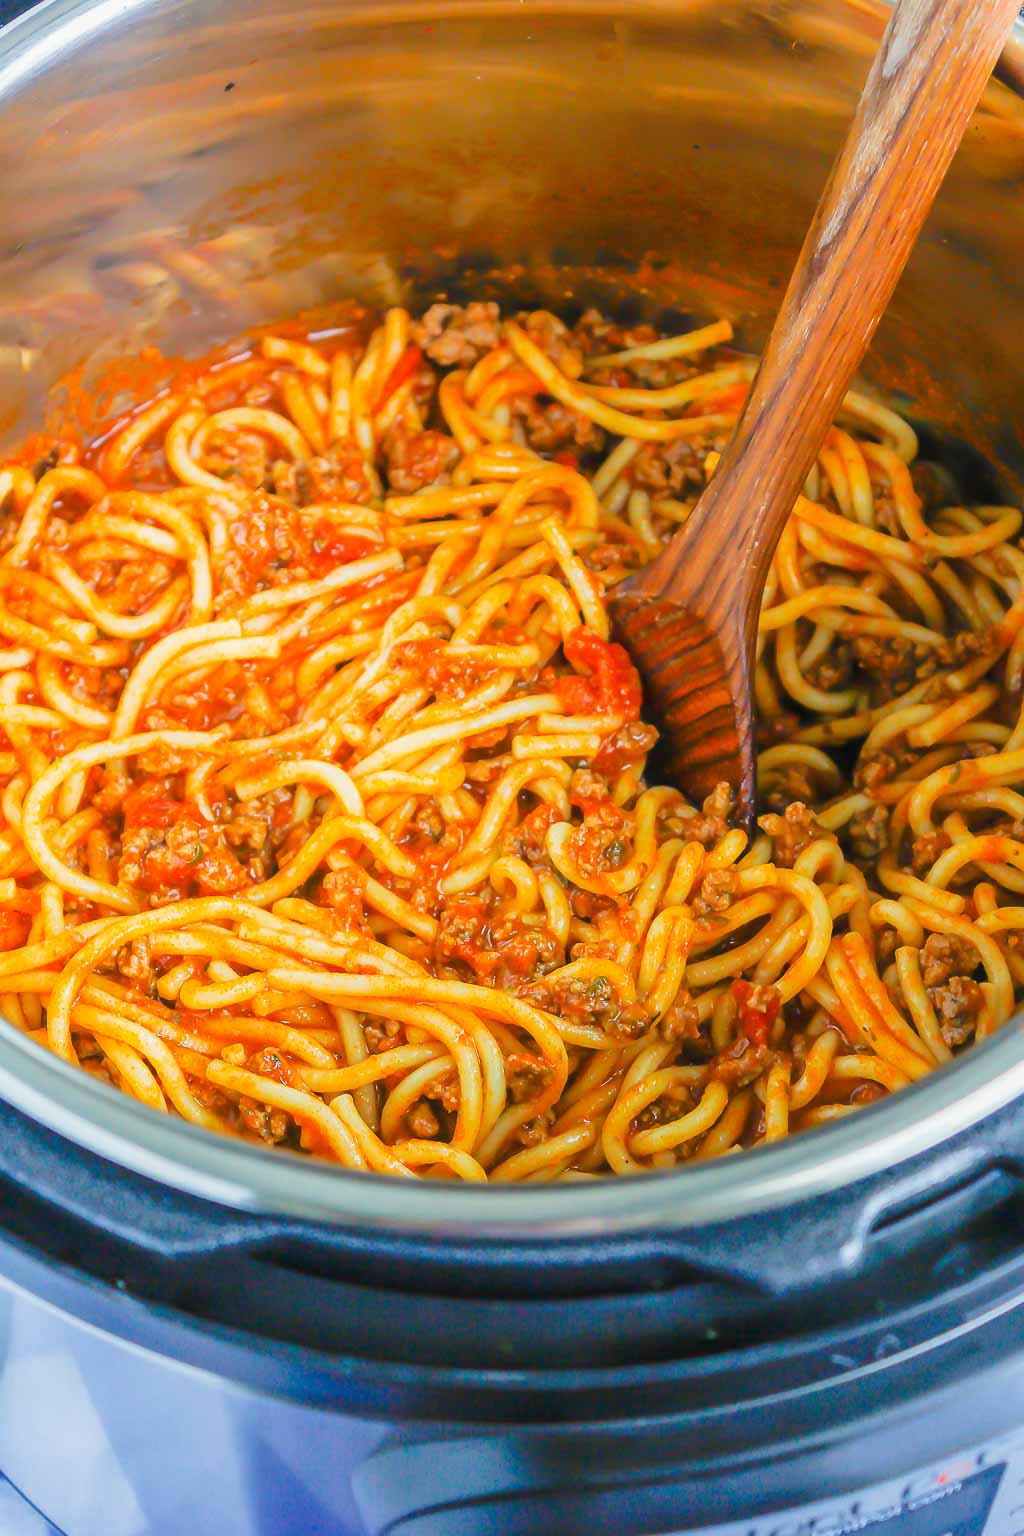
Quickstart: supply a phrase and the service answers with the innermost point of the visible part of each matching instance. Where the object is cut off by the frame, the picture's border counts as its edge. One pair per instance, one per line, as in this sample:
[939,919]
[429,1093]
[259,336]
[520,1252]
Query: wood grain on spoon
[690,618]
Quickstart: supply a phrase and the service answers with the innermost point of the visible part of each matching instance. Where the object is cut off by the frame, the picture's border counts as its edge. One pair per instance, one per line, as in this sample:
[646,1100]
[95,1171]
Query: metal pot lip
[277,1184]
[32,40]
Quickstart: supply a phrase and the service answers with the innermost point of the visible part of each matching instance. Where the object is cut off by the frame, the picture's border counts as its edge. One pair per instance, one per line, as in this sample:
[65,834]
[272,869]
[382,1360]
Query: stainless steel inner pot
[174,170]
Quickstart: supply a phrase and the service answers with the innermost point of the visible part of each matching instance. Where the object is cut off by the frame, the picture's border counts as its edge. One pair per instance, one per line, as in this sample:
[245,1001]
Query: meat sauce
[170,835]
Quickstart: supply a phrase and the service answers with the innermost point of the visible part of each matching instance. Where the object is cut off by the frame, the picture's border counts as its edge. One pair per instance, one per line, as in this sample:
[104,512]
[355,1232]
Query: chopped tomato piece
[610,684]
[759,1007]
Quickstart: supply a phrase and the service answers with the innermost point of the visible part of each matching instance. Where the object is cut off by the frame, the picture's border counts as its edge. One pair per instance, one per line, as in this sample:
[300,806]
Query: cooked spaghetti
[326,821]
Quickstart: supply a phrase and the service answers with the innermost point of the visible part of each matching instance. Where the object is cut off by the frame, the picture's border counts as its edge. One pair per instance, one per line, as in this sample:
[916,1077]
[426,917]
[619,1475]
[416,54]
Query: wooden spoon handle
[930,71]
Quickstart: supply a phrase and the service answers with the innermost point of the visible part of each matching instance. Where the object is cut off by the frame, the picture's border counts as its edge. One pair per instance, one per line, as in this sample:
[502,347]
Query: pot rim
[282,1184]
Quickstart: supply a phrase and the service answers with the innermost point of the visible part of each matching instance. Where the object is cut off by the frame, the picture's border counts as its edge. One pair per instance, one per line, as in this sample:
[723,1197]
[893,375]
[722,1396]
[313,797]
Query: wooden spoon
[690,618]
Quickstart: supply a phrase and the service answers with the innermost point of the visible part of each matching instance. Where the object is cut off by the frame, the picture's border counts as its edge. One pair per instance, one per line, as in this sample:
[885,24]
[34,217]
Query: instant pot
[821,1338]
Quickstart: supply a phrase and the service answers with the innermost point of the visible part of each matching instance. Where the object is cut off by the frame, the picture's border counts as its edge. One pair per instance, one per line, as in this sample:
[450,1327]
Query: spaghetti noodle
[325,817]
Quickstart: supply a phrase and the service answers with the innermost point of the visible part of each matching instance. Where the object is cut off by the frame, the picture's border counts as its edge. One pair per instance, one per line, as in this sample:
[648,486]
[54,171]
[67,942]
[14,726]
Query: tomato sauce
[14,929]
[731,399]
[609,685]
[448,676]
[170,849]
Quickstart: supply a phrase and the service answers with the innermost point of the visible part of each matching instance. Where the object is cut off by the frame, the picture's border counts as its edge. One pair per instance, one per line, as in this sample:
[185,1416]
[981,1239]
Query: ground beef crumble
[338,475]
[269,1124]
[708,825]
[868,833]
[957,1005]
[946,965]
[422,1121]
[526,1076]
[593,1000]
[550,427]
[418,459]
[457,336]
[945,955]
[682,1019]
[894,663]
[536,1130]
[926,849]
[715,894]
[676,467]
[789,782]
[791,832]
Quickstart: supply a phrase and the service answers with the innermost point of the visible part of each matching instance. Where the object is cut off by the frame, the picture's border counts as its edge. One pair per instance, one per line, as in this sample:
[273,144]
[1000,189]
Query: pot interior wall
[176,171]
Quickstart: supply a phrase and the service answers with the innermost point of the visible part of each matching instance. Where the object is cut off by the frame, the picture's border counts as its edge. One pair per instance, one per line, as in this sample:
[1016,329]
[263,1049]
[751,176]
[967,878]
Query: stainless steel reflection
[175,170]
